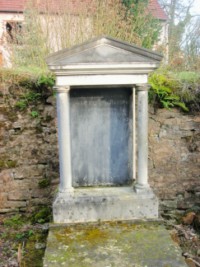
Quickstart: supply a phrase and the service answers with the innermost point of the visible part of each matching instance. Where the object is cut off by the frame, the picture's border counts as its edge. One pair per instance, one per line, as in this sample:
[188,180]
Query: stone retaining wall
[29,155]
[174,159]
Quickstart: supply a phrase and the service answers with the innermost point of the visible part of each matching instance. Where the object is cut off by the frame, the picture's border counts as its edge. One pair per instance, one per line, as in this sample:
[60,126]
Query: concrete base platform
[104,204]
[112,244]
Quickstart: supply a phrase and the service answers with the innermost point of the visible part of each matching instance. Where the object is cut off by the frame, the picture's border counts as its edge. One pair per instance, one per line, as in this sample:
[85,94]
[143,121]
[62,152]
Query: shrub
[179,89]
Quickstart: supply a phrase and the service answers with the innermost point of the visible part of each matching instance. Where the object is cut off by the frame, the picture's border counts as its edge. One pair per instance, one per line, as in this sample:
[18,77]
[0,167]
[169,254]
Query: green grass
[28,77]
[188,76]
[15,220]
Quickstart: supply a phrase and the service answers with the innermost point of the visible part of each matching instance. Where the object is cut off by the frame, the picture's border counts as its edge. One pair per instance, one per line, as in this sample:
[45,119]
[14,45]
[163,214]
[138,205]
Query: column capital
[142,86]
[62,89]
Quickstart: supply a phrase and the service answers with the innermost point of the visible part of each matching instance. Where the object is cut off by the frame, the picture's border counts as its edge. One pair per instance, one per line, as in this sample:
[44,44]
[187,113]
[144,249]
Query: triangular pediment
[103,50]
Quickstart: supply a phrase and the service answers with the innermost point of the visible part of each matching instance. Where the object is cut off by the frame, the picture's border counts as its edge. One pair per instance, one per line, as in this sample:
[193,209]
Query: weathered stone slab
[124,244]
[104,204]
[101,145]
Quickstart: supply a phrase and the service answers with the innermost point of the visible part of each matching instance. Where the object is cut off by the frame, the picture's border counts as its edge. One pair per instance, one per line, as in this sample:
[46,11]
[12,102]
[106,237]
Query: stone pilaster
[142,184]
[134,132]
[63,114]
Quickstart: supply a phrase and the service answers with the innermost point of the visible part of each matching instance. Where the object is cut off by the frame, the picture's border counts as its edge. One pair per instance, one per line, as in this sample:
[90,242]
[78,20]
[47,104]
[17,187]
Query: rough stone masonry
[29,155]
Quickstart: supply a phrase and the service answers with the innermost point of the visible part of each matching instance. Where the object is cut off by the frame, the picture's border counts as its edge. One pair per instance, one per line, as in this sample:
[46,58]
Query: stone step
[124,244]
[104,204]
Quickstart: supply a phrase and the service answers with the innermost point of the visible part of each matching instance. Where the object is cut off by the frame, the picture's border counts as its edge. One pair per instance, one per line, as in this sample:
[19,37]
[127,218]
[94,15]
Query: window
[14,31]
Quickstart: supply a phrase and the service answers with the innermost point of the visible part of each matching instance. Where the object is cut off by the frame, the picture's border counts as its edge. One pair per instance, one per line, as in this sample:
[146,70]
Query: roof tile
[156,10]
[12,5]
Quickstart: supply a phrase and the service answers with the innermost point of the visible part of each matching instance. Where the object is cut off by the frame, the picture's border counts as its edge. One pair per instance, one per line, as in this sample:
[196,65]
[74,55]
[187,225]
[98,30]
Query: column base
[66,191]
[142,189]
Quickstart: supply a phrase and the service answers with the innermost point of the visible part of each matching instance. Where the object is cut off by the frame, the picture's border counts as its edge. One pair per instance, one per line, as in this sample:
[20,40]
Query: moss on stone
[2,164]
[113,244]
[94,236]
[38,128]
[11,163]
[7,163]
[44,183]
[48,118]
[42,215]
[9,113]
[14,221]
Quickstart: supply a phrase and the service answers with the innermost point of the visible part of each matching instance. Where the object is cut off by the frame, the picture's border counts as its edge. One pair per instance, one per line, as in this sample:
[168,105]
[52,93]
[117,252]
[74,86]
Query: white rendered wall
[4,47]
[101,80]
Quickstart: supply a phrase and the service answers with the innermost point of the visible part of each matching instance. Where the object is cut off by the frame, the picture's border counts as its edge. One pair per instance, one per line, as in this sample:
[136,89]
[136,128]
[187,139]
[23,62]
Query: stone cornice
[137,68]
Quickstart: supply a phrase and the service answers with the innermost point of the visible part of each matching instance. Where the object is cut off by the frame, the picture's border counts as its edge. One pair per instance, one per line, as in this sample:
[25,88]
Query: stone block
[5,176]
[173,122]
[39,201]
[103,245]
[49,110]
[18,174]
[104,204]
[17,125]
[37,193]
[2,118]
[30,171]
[51,100]
[3,199]
[190,125]
[15,204]
[168,205]
[184,205]
[19,194]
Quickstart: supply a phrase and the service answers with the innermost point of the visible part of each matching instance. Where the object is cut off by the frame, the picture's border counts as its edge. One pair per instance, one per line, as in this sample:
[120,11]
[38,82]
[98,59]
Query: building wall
[68,28]
[29,165]
[60,31]
[5,50]
[163,43]
[4,17]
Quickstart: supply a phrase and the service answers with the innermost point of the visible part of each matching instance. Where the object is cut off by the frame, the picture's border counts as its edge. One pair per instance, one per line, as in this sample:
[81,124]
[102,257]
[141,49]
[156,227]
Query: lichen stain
[94,236]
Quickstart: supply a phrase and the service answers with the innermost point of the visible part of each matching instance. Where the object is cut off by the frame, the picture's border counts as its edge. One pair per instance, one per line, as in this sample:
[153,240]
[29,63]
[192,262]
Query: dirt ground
[22,244]
[185,231]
